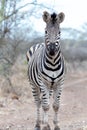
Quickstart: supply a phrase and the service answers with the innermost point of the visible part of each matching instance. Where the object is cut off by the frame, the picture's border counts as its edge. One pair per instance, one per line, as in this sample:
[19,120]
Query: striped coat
[46,69]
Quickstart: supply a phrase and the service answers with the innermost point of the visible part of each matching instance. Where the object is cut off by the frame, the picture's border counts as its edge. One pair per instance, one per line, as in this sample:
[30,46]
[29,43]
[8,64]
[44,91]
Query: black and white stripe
[46,72]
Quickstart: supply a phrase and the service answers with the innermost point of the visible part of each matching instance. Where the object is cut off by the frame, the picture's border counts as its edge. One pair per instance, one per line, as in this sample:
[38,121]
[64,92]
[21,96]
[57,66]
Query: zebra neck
[53,60]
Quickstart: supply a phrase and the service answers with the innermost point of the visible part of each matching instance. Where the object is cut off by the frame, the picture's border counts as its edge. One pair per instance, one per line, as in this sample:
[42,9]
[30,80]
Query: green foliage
[2,9]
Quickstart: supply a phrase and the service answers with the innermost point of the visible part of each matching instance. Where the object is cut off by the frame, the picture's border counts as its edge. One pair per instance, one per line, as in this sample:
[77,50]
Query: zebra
[46,70]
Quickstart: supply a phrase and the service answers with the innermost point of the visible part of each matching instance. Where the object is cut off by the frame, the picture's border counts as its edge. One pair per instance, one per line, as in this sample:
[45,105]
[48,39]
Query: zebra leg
[45,106]
[36,94]
[37,126]
[56,96]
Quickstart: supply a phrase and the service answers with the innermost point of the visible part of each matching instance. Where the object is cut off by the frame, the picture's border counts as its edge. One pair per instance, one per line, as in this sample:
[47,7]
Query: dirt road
[19,114]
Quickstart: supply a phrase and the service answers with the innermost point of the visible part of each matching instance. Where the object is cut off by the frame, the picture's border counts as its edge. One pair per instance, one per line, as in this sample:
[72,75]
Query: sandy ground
[19,114]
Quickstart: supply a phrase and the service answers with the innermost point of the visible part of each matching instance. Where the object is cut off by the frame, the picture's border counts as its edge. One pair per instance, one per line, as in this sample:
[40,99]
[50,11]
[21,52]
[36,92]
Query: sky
[75,12]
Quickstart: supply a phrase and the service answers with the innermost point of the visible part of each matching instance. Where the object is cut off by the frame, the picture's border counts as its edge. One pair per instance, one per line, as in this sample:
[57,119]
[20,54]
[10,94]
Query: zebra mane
[53,17]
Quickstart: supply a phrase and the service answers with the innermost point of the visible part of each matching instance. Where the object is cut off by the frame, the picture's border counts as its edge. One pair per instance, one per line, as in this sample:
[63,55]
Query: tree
[2,5]
[11,13]
[12,31]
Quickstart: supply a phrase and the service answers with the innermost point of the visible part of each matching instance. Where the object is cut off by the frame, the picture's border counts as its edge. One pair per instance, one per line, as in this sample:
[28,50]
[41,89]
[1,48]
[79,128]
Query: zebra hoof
[37,127]
[46,128]
[56,128]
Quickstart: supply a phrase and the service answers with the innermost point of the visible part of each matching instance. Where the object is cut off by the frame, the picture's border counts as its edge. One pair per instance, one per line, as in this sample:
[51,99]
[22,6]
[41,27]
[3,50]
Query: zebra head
[52,31]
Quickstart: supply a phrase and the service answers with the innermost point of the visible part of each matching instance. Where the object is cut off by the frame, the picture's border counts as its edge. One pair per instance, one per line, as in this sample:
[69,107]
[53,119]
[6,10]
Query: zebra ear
[46,16]
[61,17]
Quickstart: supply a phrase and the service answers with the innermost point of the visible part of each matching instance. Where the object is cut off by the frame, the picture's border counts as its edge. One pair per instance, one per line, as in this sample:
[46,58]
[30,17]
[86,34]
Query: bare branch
[15,11]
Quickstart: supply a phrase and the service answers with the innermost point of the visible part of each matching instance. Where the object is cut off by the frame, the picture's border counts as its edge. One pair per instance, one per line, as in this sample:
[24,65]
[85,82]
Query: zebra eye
[45,32]
[59,32]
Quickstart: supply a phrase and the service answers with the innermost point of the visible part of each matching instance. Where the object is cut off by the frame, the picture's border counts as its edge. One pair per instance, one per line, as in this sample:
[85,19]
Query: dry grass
[17,106]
